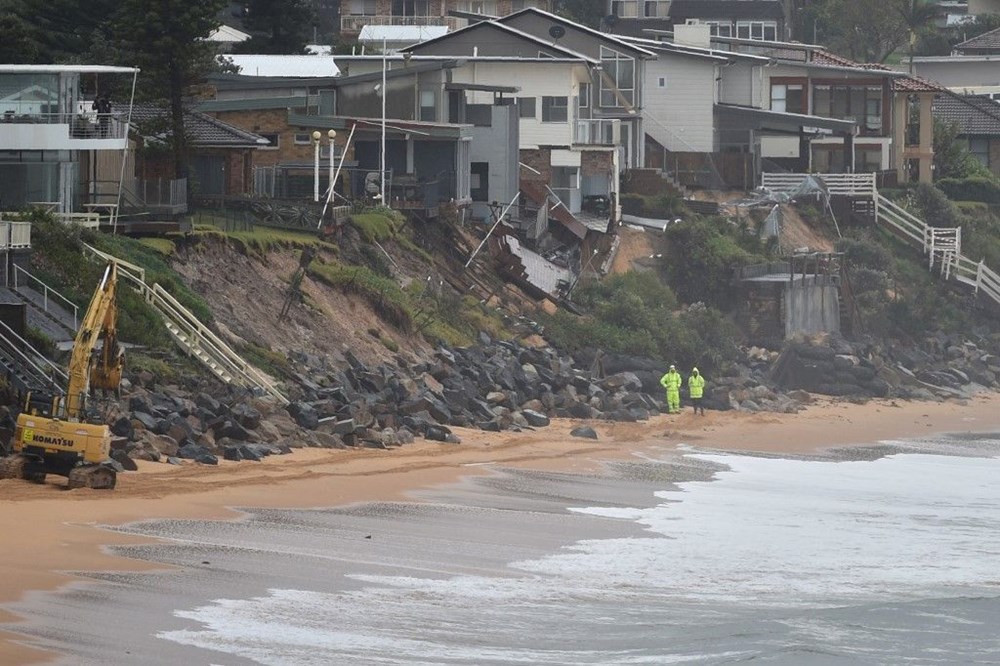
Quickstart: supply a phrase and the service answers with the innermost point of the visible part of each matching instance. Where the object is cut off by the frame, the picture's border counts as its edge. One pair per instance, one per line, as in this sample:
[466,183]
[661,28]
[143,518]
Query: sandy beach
[49,531]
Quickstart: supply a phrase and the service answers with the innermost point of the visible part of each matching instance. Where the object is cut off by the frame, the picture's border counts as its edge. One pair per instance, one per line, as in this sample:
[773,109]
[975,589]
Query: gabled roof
[603,36]
[973,114]
[988,41]
[681,10]
[152,121]
[693,51]
[509,32]
[910,83]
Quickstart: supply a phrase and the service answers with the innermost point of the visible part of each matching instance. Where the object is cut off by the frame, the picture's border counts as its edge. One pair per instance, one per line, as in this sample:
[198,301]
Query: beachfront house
[52,137]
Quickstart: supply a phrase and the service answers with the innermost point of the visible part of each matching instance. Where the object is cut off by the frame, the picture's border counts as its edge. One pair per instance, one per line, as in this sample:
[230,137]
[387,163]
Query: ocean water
[887,555]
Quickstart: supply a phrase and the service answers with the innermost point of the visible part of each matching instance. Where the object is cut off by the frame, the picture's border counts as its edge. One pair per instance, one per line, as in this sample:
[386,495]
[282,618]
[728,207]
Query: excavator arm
[103,371]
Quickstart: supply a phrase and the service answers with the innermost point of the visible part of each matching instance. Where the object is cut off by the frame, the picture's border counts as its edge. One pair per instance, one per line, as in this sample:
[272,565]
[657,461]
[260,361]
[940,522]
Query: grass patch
[382,294]
[262,240]
[164,246]
[377,226]
[273,363]
[138,361]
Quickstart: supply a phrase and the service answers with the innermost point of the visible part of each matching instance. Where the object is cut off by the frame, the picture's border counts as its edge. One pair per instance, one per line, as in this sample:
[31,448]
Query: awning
[732,116]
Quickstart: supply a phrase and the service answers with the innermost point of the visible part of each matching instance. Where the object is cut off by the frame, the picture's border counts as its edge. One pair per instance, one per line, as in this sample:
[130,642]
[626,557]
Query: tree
[19,41]
[871,30]
[65,30]
[916,16]
[952,158]
[164,38]
[587,12]
[277,26]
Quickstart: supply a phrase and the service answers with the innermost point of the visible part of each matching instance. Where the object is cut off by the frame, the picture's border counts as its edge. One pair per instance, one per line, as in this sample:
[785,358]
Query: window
[303,138]
[625,8]
[526,106]
[272,139]
[720,28]
[584,95]
[362,8]
[873,109]
[661,82]
[554,110]
[979,147]
[617,79]
[787,98]
[428,106]
[478,6]
[479,185]
[867,160]
[410,8]
[656,8]
[862,104]
[327,102]
[764,30]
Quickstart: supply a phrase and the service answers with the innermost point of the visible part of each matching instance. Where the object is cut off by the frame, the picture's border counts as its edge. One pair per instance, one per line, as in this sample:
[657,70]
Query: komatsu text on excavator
[58,434]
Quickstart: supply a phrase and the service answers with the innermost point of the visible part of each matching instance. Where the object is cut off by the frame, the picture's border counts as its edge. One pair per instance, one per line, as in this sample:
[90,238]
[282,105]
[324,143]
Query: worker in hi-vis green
[672,382]
[696,388]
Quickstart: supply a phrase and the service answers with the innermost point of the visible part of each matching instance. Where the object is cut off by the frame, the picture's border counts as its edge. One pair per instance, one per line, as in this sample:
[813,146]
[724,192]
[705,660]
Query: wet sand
[49,530]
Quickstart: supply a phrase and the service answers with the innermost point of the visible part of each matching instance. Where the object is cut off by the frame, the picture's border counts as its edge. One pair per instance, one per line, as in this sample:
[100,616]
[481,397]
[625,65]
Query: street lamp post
[381,177]
[315,136]
[332,134]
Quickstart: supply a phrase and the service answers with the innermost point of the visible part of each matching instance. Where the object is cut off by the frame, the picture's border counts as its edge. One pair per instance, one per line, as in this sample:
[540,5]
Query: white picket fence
[193,336]
[941,245]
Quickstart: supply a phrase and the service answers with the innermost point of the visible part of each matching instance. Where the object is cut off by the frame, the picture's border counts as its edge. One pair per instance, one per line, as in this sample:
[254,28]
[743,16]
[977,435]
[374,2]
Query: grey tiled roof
[988,41]
[726,9]
[151,120]
[979,116]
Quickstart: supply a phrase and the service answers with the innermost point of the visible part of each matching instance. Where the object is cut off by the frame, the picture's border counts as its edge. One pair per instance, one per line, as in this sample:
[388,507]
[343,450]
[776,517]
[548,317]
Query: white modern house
[51,136]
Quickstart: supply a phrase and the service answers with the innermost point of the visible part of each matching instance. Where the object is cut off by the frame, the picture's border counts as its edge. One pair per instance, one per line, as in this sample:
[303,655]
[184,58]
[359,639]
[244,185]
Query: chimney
[693,34]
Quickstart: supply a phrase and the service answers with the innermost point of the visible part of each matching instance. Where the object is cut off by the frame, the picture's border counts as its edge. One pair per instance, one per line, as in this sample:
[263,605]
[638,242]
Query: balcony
[353,24]
[602,132]
[63,131]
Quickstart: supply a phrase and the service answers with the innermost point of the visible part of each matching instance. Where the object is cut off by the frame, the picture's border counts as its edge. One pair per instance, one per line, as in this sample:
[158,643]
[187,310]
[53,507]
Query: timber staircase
[941,245]
[193,336]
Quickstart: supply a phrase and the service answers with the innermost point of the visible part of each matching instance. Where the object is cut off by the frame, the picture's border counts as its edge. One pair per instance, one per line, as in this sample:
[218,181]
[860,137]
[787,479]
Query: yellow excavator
[58,434]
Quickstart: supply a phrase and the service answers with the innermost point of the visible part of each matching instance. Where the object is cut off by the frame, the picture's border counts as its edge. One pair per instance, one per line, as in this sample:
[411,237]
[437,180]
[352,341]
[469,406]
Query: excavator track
[12,467]
[98,477]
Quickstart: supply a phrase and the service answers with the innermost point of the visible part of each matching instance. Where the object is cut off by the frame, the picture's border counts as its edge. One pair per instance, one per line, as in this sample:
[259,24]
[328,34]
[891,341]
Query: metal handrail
[139,271]
[184,316]
[7,333]
[200,336]
[46,290]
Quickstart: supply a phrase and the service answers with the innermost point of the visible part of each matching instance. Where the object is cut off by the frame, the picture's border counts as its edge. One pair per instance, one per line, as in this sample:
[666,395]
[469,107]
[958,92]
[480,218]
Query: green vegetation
[58,261]
[952,159]
[976,188]
[701,257]
[897,296]
[273,363]
[378,225]
[634,313]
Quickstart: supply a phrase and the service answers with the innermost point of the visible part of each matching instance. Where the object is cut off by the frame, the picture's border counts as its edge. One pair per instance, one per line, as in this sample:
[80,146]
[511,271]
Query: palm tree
[916,16]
